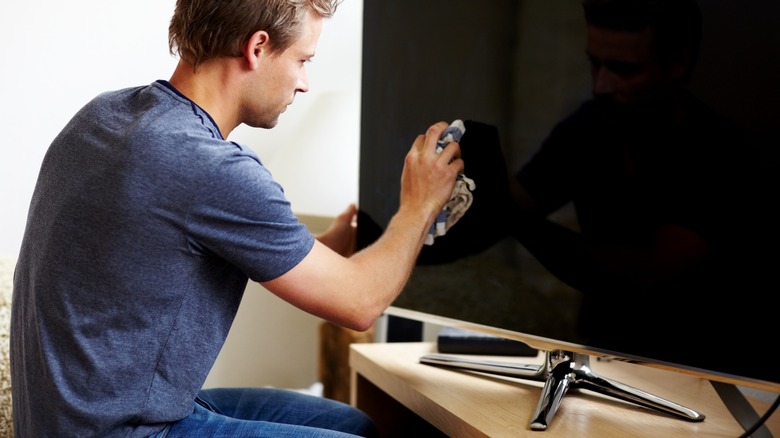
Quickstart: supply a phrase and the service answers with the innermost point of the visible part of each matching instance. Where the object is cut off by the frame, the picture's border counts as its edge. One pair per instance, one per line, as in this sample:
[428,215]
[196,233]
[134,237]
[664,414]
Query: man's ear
[256,47]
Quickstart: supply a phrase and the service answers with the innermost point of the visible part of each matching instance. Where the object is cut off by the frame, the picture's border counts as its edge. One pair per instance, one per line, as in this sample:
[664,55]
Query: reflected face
[625,68]
[282,75]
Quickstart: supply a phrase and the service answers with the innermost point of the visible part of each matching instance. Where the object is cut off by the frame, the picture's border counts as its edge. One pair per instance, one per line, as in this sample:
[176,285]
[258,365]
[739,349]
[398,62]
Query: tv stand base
[561,371]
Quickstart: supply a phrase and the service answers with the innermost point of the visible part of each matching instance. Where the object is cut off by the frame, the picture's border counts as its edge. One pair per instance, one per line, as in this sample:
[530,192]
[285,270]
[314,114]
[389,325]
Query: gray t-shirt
[143,229]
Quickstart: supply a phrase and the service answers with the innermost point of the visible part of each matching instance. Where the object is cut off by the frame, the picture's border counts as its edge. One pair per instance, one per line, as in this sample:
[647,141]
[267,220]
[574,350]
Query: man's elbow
[361,317]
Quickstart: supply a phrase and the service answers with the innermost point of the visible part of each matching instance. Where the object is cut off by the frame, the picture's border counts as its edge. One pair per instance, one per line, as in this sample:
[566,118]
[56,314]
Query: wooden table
[405,397]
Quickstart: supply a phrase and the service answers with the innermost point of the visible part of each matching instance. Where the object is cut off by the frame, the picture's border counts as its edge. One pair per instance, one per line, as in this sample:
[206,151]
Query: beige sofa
[6,275]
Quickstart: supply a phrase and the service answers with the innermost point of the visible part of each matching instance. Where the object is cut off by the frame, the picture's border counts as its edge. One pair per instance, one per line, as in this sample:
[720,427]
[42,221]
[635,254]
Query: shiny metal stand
[561,371]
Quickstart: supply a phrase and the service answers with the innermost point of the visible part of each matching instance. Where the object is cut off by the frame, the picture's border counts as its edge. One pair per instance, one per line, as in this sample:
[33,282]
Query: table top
[467,403]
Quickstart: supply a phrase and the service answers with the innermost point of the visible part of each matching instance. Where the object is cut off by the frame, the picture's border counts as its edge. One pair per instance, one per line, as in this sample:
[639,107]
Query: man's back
[122,300]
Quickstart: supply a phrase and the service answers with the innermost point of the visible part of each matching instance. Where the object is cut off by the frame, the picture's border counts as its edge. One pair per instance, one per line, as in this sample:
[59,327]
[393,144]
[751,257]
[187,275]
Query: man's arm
[354,291]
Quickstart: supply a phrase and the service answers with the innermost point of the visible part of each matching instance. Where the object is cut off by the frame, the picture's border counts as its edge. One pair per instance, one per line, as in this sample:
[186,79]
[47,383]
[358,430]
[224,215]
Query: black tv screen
[512,69]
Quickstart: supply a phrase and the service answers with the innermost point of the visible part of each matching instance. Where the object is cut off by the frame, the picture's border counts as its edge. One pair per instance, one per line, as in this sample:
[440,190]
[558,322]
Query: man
[146,224]
[669,196]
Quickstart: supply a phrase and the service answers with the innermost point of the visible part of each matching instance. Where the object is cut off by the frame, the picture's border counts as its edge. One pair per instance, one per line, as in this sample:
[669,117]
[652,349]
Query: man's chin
[265,124]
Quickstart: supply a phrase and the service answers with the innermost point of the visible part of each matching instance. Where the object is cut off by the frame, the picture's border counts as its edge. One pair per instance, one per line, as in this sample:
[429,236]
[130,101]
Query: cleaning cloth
[461,197]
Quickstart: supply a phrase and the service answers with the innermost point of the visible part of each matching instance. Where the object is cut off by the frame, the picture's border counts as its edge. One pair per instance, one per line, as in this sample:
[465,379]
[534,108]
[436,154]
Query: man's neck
[213,88]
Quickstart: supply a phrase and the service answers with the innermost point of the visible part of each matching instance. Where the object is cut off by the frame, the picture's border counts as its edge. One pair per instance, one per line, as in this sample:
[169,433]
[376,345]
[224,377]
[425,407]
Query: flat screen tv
[511,69]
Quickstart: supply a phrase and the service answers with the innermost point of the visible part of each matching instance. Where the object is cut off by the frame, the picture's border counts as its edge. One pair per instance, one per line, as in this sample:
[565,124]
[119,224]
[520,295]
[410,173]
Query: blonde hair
[205,29]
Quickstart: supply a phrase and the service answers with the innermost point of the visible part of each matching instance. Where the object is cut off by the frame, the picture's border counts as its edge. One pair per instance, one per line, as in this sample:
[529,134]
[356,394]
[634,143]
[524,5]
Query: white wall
[58,55]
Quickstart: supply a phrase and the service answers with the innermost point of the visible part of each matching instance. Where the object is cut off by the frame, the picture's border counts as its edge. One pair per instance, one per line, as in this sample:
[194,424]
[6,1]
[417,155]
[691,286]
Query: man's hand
[428,176]
[341,235]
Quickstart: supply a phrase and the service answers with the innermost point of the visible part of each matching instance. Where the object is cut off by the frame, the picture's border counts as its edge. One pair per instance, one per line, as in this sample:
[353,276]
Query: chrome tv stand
[561,371]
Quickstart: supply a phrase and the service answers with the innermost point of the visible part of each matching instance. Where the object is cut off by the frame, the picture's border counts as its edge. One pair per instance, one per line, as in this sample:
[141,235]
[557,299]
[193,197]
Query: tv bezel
[370,53]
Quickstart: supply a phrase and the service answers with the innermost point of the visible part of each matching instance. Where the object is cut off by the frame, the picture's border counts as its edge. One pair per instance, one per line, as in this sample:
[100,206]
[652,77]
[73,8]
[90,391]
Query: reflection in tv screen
[515,71]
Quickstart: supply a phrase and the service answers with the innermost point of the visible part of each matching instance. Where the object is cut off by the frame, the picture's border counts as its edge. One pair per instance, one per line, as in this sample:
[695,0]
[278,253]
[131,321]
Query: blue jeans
[268,412]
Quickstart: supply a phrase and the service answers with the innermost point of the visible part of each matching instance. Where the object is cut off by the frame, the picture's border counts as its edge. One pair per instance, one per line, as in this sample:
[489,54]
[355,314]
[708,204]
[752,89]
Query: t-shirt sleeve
[243,216]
